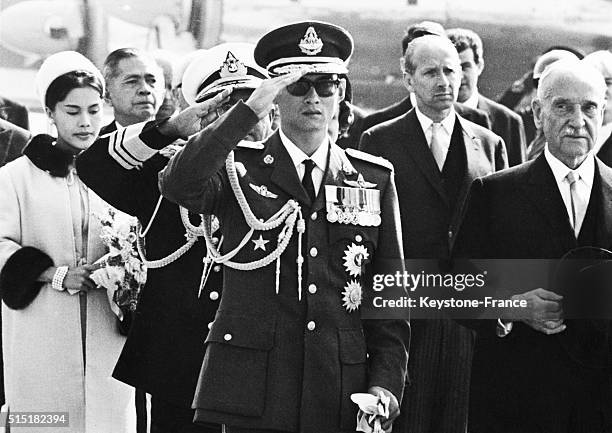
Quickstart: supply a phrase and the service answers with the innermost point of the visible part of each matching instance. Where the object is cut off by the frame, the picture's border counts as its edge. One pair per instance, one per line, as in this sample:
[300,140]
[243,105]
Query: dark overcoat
[529,381]
[441,350]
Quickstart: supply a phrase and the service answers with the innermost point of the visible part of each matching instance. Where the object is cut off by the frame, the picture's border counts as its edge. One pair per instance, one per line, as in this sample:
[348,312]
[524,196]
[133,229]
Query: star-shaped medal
[259,243]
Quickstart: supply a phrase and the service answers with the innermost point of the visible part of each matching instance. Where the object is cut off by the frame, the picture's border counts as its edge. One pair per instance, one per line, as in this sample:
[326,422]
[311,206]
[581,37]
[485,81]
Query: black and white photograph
[305,216]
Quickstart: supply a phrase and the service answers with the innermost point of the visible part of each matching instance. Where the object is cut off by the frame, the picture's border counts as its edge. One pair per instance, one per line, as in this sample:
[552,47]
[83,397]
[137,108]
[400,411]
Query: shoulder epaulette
[258,145]
[378,160]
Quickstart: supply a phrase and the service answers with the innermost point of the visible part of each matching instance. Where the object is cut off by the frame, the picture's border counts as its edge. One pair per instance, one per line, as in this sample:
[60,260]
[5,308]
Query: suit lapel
[416,145]
[474,169]
[284,174]
[542,190]
[604,227]
[6,136]
[111,127]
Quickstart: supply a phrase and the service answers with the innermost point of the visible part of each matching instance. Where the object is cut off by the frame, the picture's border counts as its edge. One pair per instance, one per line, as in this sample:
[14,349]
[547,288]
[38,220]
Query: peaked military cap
[323,47]
[225,65]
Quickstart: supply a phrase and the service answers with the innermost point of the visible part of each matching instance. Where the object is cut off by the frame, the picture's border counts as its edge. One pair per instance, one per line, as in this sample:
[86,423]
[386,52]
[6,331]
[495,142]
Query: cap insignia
[232,67]
[311,44]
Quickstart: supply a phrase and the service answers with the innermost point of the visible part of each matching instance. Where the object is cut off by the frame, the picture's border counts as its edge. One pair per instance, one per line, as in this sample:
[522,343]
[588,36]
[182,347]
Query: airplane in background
[514,33]
[38,28]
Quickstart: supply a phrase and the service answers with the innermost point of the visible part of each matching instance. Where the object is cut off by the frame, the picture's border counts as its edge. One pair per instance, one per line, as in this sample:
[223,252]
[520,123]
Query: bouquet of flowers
[121,272]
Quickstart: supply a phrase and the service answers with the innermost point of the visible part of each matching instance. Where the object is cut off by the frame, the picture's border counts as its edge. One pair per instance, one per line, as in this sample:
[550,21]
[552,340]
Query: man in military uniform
[164,350]
[299,217]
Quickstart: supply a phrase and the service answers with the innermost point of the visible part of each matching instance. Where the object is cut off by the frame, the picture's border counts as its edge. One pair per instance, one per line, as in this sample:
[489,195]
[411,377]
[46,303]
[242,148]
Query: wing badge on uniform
[263,191]
[359,183]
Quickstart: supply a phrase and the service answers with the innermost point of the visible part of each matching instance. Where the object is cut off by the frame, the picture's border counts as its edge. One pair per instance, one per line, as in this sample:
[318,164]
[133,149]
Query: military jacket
[273,360]
[164,350]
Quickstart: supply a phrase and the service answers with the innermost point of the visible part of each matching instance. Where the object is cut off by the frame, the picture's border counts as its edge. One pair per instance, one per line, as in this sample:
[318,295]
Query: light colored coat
[42,345]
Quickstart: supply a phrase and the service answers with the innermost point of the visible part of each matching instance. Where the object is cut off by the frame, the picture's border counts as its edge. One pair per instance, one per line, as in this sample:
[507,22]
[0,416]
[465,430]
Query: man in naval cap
[164,350]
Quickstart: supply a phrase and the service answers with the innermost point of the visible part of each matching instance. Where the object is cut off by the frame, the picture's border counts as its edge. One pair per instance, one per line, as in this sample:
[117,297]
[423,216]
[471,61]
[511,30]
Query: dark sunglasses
[323,88]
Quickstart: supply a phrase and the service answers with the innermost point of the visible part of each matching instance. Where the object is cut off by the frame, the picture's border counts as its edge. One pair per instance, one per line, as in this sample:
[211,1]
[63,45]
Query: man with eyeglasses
[164,350]
[299,217]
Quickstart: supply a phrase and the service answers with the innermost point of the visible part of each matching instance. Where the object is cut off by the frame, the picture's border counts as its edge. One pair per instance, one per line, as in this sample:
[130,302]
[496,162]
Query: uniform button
[358,238]
[227,337]
[82,293]
[217,268]
[312,289]
[450,233]
[313,252]
[215,240]
[214,295]
[311,326]
[210,325]
[313,216]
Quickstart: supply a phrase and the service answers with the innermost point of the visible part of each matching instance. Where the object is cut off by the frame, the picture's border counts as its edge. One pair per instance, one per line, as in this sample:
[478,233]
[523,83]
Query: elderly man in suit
[299,216]
[504,122]
[530,375]
[134,86]
[436,154]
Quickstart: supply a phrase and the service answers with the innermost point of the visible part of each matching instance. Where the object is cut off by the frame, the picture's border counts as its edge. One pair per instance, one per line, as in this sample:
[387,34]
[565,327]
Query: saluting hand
[262,99]
[196,117]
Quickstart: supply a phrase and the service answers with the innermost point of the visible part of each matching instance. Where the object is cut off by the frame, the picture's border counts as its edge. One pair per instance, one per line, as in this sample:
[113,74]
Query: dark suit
[431,210]
[405,105]
[14,112]
[350,139]
[272,361]
[107,129]
[605,152]
[12,141]
[164,351]
[528,381]
[509,126]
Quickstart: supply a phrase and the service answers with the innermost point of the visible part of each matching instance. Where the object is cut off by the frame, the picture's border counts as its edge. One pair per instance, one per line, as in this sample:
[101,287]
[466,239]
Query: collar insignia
[311,44]
[232,67]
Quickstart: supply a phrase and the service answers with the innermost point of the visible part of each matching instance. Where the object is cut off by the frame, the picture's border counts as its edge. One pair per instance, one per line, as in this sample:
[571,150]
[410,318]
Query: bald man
[536,370]
[433,177]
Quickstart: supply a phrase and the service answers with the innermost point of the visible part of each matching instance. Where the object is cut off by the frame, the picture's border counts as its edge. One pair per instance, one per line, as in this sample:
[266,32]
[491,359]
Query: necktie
[577,201]
[307,179]
[437,149]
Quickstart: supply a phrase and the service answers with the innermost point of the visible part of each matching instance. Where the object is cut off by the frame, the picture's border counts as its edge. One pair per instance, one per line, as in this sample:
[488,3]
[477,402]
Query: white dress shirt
[585,172]
[444,133]
[298,157]
[472,101]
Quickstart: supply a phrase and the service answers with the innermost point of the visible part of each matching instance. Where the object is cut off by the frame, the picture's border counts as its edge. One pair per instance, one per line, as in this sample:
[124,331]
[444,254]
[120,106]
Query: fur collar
[44,155]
